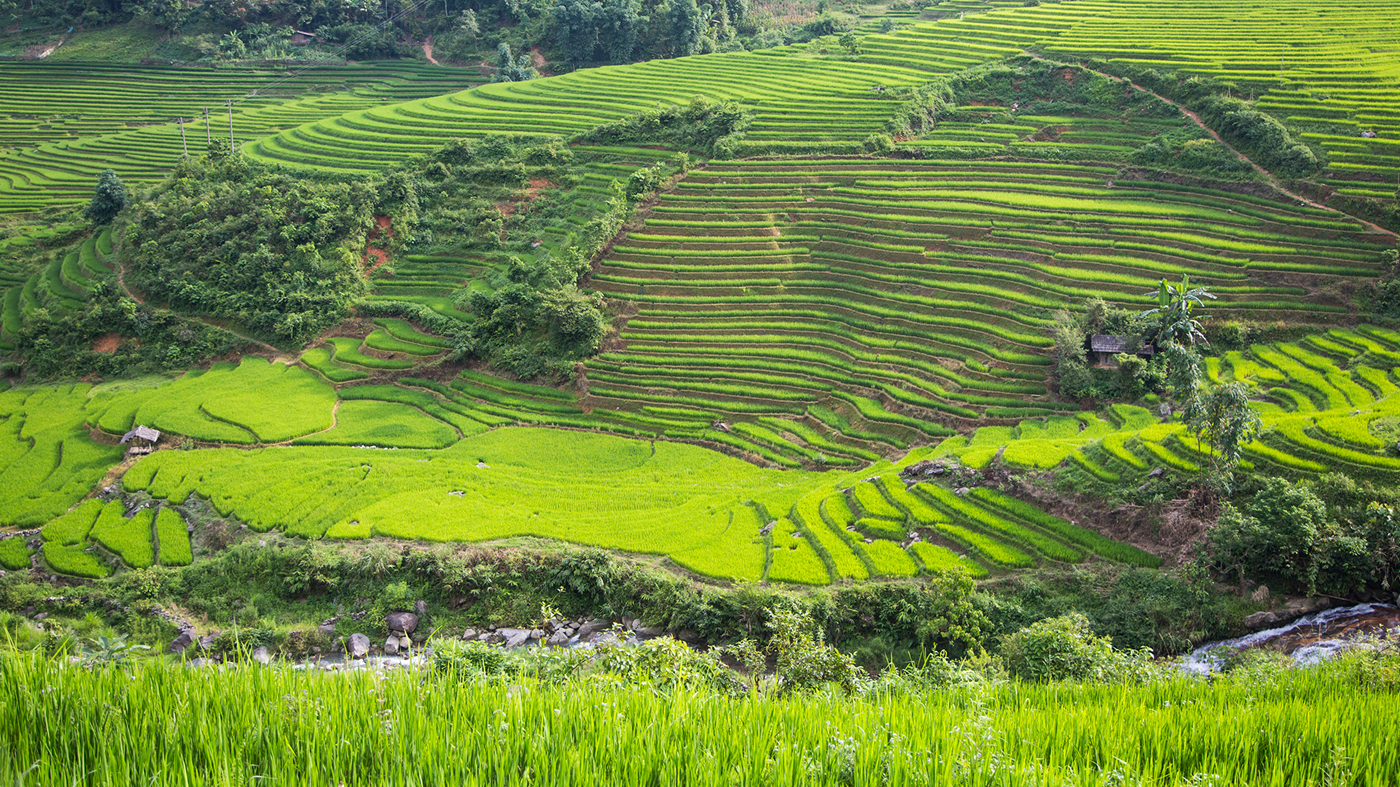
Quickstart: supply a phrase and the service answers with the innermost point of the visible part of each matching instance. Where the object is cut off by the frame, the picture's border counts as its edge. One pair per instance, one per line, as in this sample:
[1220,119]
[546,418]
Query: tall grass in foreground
[161,723]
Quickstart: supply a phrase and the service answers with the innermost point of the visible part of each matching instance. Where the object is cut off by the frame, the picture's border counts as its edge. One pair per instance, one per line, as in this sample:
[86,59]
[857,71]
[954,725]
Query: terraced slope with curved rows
[798,102]
[1328,68]
[1331,401]
[780,286]
[61,124]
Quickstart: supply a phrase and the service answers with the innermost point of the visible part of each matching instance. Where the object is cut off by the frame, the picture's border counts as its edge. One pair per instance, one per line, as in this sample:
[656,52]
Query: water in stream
[1309,639]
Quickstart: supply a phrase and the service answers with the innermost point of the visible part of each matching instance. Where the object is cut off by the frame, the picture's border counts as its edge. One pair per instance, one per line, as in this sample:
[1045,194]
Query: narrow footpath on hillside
[1268,176]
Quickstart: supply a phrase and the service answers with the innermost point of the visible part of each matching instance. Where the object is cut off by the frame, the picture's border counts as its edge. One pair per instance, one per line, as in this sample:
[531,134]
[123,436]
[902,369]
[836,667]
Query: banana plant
[1173,315]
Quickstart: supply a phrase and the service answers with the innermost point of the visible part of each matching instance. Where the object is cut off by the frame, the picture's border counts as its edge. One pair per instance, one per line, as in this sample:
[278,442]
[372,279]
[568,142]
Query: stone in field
[359,646]
[401,621]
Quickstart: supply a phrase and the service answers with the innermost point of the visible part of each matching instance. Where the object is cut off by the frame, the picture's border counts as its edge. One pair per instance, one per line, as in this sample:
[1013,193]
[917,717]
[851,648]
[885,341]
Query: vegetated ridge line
[1268,176]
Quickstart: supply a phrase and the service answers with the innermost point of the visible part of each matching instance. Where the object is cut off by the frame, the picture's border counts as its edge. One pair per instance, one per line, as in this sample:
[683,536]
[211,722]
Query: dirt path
[1268,176]
[428,51]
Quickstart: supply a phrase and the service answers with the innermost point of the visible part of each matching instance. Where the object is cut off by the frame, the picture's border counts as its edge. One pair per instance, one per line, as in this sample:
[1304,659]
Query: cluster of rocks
[400,647]
[566,633]
[921,470]
[401,626]
[1293,609]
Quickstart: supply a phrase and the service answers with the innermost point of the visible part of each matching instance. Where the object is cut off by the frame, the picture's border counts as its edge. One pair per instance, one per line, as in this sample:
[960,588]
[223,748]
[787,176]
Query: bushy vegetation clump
[1065,648]
[278,253]
[710,128]
[57,344]
[1257,134]
[1333,535]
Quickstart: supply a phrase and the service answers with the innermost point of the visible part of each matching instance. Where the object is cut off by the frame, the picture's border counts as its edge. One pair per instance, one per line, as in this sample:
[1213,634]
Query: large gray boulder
[391,646]
[262,656]
[359,646]
[514,638]
[182,641]
[406,622]
[592,626]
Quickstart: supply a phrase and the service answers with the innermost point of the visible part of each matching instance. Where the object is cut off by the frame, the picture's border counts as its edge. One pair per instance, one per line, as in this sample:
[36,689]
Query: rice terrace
[926,392]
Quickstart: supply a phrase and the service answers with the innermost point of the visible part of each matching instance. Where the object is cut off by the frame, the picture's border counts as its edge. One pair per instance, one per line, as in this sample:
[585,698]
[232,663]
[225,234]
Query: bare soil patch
[107,343]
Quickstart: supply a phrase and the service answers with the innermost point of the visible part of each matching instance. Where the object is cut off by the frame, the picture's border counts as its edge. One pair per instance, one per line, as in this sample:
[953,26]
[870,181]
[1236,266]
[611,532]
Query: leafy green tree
[687,23]
[1277,537]
[1223,420]
[1219,417]
[512,70]
[109,199]
[620,26]
[227,238]
[467,24]
[850,43]
[576,30]
[169,14]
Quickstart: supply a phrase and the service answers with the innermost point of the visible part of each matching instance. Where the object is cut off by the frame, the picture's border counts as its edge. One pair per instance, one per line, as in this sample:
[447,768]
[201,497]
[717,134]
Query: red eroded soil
[107,343]
[382,228]
[532,190]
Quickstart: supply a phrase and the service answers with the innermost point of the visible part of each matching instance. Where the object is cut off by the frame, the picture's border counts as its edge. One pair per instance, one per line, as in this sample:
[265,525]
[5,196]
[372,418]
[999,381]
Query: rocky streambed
[1307,639]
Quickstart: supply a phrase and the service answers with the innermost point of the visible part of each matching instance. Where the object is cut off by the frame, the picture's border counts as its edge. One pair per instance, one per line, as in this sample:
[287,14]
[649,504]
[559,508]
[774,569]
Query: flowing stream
[1309,639]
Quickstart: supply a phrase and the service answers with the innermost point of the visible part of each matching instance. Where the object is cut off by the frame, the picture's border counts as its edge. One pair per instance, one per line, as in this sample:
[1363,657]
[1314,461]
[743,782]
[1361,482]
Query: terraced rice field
[61,124]
[913,296]
[1327,403]
[799,103]
[705,511]
[49,461]
[1326,67]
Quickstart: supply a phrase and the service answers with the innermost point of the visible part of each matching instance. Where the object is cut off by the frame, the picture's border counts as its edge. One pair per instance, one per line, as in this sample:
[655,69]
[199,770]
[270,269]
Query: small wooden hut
[1104,346]
[141,440]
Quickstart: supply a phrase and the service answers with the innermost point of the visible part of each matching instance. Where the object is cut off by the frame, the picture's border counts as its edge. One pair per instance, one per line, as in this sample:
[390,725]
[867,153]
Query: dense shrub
[154,340]
[1336,536]
[1259,136]
[803,659]
[230,239]
[1065,648]
[1275,537]
[710,128]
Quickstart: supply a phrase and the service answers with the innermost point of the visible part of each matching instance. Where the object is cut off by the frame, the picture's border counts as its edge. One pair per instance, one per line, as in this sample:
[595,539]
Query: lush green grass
[1098,544]
[14,554]
[173,538]
[938,558]
[404,331]
[1246,729]
[384,424]
[669,498]
[130,538]
[383,341]
[47,460]
[75,560]
[348,351]
[254,401]
[322,360]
